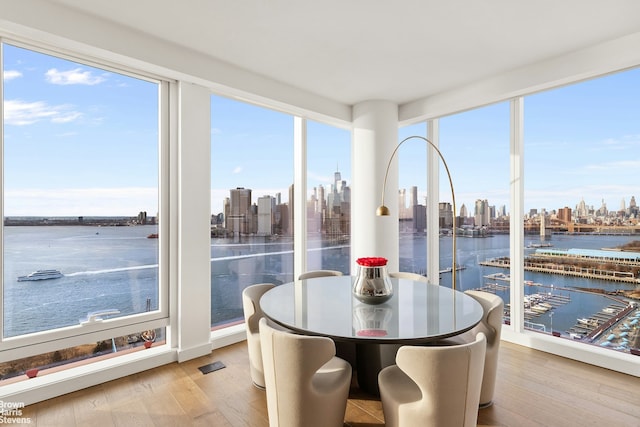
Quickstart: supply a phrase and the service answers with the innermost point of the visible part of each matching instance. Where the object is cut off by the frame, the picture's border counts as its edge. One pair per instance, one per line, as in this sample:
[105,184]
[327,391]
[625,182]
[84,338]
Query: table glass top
[416,311]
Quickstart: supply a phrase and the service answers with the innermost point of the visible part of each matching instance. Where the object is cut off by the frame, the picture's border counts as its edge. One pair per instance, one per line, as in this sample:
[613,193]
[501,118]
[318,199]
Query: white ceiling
[356,50]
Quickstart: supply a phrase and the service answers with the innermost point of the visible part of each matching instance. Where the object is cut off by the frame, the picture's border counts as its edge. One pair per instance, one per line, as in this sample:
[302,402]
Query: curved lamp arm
[384,211]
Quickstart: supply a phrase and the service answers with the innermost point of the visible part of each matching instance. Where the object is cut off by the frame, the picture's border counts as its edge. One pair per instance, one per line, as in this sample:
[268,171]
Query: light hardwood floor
[533,389]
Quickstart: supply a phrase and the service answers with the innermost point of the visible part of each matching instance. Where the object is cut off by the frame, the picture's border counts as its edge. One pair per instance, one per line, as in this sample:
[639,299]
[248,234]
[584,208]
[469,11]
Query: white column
[516,220]
[193,315]
[433,211]
[375,136]
[300,196]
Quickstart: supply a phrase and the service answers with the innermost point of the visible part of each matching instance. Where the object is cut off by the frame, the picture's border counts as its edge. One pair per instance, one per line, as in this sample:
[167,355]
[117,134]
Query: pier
[591,328]
[566,270]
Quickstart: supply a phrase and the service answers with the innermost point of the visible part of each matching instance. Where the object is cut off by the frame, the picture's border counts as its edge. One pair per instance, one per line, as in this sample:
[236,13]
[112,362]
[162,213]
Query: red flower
[371,333]
[372,261]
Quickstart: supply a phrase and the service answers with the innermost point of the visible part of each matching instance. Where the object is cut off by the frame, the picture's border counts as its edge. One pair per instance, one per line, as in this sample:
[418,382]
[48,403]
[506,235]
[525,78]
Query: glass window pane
[251,190]
[475,145]
[65,358]
[329,197]
[412,200]
[581,145]
[81,154]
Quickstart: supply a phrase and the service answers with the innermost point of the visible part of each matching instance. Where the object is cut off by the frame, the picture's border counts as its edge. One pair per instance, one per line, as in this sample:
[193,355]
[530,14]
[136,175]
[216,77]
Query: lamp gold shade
[382,210]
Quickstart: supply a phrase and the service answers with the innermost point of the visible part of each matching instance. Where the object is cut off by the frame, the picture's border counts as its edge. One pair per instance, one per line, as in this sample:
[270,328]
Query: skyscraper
[239,219]
[481,215]
[266,207]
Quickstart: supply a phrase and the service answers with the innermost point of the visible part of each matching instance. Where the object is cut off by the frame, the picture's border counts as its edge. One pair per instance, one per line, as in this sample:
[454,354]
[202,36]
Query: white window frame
[12,348]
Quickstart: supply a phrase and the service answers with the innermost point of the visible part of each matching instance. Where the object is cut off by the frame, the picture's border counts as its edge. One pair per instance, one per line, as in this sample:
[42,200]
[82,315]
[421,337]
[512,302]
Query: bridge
[560,227]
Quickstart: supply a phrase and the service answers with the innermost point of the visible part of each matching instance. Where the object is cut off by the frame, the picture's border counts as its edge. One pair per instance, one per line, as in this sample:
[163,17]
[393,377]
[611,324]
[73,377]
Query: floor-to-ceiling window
[328,197]
[251,202]
[582,262]
[81,203]
[475,144]
[412,200]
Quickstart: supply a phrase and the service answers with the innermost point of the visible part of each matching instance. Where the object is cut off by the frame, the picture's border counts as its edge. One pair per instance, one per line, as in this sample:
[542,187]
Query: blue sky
[83,141]
[77,140]
[581,142]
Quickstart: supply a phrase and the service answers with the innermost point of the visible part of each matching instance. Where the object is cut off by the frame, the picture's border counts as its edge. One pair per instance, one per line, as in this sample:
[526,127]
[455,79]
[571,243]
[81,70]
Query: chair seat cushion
[333,374]
[396,387]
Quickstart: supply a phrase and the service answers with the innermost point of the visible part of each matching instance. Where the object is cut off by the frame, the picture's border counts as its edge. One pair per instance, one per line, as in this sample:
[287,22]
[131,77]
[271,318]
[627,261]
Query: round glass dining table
[417,313]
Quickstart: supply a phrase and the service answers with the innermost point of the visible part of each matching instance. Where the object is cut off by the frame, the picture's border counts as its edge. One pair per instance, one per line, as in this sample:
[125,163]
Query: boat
[538,308]
[152,236]
[41,275]
[449,269]
[588,322]
[539,245]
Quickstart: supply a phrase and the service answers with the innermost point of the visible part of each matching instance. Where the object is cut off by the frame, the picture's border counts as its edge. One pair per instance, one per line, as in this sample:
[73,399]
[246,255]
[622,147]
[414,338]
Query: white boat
[539,308]
[539,245]
[41,275]
[588,322]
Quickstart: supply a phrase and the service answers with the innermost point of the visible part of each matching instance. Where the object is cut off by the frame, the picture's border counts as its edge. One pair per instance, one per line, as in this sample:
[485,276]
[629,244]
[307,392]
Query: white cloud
[622,165]
[20,113]
[11,74]
[73,77]
[237,170]
[81,201]
[66,117]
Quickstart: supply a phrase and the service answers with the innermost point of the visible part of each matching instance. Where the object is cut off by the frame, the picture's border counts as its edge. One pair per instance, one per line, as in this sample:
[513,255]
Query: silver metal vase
[372,285]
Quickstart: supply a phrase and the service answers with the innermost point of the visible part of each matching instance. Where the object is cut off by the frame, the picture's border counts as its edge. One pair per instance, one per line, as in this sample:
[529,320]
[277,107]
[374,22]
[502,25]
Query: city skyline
[68,126]
[581,208]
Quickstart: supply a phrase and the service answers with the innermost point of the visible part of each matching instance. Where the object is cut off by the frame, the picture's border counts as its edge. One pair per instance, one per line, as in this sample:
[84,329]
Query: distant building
[564,214]
[238,219]
[481,214]
[266,209]
[445,215]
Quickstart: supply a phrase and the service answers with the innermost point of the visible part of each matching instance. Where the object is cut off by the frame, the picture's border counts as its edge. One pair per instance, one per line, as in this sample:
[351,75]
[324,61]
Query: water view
[115,268]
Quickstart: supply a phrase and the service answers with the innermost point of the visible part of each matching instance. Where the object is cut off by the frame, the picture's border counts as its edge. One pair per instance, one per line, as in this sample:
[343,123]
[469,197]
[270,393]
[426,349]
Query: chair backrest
[449,379]
[252,315]
[319,273]
[491,323]
[491,327]
[411,276]
[296,394]
[251,304]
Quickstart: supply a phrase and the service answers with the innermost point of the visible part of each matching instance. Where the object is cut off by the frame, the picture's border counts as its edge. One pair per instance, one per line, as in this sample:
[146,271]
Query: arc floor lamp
[384,211]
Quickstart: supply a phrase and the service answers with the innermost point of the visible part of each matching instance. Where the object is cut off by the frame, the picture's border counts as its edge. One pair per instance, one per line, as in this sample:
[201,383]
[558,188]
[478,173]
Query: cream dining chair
[319,273]
[490,326]
[433,386]
[344,350]
[252,315]
[306,384]
[408,275]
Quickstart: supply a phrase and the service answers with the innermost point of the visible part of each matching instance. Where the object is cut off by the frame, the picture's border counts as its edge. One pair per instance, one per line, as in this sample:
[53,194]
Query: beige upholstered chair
[411,276]
[433,386]
[252,315]
[319,273]
[306,384]
[344,350]
[490,326]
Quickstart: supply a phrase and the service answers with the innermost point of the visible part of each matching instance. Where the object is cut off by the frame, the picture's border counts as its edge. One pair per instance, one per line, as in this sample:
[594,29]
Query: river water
[117,268]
